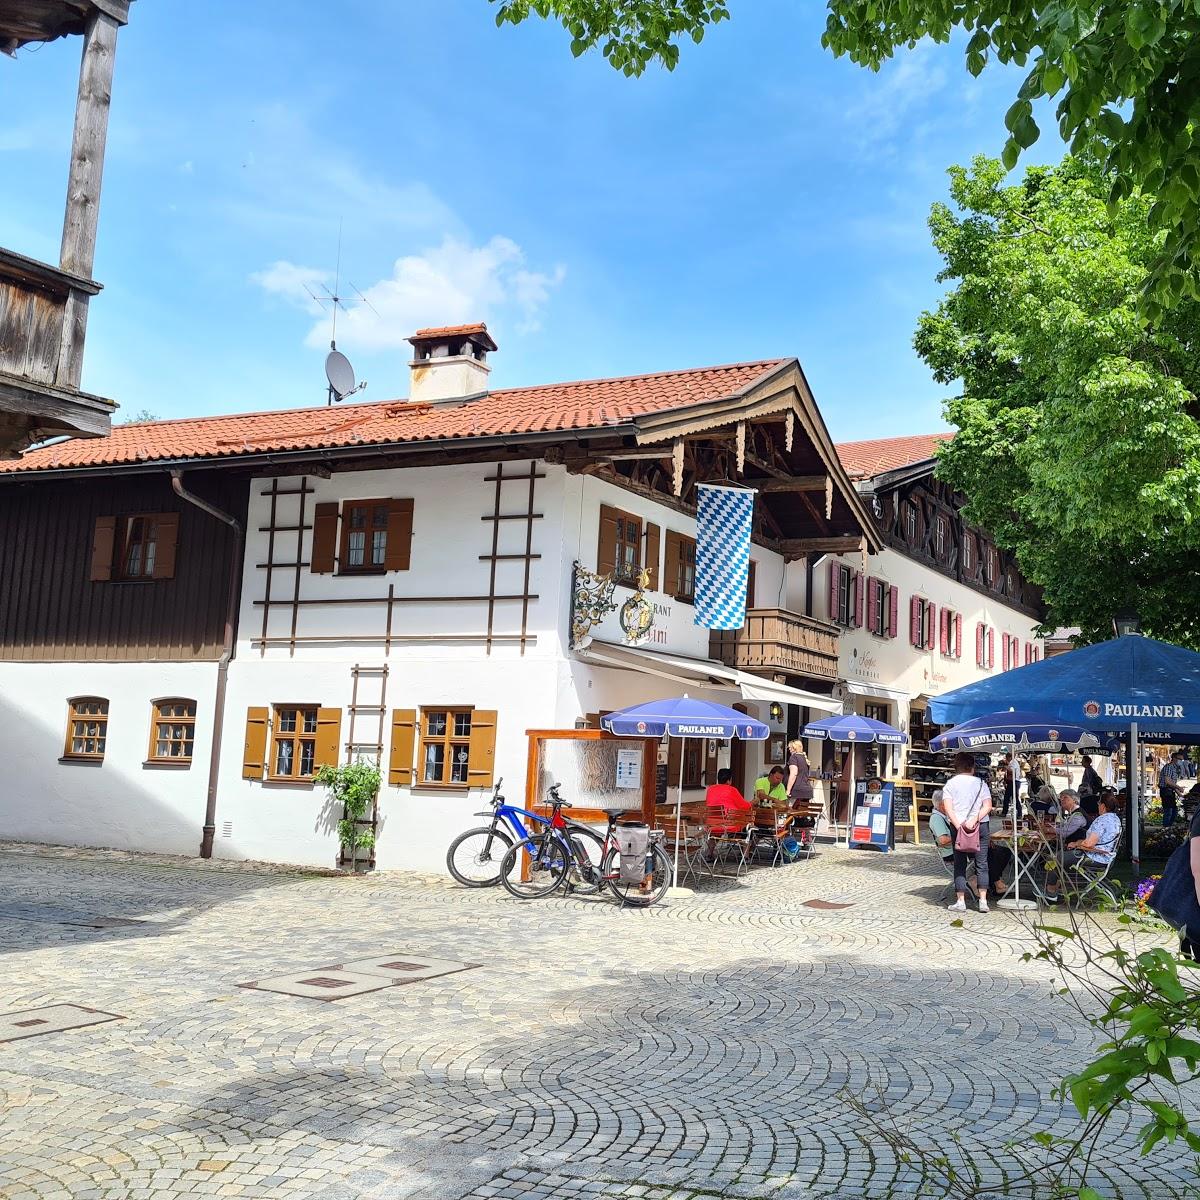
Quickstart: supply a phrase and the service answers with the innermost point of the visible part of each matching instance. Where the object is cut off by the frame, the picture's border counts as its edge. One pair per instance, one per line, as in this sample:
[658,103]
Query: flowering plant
[1143,893]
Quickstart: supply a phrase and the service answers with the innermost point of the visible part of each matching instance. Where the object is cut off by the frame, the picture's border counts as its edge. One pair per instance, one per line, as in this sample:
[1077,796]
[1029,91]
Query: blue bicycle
[474,857]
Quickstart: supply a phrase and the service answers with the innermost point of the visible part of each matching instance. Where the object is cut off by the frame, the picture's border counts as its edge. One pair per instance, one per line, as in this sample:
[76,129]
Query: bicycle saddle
[614,813]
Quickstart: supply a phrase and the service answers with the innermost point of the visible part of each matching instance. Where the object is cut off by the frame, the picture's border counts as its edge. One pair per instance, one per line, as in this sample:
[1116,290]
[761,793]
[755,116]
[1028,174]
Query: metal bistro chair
[771,828]
[1086,877]
[693,837]
[729,829]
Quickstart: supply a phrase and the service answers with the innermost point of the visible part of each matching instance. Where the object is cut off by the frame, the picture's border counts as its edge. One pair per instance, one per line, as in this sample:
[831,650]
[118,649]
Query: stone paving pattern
[696,1049]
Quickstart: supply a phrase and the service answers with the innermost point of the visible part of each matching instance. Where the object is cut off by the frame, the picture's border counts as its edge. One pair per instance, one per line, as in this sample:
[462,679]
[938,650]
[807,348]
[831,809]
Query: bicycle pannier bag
[633,839]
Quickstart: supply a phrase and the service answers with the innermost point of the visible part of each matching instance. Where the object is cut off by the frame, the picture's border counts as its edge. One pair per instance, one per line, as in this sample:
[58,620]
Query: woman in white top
[967,803]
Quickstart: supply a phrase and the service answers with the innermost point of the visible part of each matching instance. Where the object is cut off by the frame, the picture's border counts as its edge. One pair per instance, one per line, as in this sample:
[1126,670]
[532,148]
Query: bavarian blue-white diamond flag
[724,518]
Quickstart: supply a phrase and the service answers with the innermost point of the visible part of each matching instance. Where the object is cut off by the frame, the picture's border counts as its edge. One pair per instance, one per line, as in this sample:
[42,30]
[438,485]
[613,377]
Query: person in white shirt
[967,803]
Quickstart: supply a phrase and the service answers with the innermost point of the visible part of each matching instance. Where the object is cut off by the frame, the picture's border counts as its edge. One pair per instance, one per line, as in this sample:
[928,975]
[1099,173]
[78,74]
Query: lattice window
[173,731]
[87,728]
[445,753]
[294,743]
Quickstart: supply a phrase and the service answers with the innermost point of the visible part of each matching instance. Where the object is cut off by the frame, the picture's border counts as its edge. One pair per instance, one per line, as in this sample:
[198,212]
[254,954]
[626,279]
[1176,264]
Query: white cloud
[888,100]
[448,284]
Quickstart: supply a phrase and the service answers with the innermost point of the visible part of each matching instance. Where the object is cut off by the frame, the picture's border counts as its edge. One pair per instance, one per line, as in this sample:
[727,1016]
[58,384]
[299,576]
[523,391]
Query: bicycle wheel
[535,866]
[650,890]
[586,876]
[474,857]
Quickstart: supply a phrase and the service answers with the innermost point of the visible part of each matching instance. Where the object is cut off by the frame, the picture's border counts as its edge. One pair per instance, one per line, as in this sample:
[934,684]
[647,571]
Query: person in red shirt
[723,794]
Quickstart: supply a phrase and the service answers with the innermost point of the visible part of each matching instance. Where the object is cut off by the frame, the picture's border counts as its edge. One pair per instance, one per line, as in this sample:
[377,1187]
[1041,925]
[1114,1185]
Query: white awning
[706,673]
[754,687]
[878,691]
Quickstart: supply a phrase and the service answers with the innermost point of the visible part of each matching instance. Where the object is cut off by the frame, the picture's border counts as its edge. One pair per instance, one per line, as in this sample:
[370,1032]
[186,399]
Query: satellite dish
[340,374]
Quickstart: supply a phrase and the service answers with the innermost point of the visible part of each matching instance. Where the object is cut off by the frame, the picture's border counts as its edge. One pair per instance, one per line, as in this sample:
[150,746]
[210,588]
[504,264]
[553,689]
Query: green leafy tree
[1078,443]
[1125,76]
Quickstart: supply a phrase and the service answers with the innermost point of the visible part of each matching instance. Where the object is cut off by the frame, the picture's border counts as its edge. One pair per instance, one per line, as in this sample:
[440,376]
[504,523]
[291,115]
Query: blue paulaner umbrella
[1018,731]
[1130,683]
[853,729]
[683,717]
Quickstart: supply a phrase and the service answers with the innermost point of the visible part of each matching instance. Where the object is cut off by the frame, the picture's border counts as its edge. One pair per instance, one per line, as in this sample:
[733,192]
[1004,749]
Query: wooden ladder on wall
[373,715]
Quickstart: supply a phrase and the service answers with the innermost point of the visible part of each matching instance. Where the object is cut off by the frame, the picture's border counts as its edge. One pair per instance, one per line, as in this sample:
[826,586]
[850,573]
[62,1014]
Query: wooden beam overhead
[796,547]
[798,483]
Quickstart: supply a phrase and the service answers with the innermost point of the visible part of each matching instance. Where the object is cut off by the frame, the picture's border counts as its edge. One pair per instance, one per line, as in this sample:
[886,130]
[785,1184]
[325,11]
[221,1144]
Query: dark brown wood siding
[51,610]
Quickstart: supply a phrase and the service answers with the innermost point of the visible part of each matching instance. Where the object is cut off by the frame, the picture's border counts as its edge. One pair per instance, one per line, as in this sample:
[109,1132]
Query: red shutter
[958,635]
[914,621]
[834,570]
[979,659]
[860,586]
[893,610]
[991,648]
[944,632]
[930,622]
[872,605]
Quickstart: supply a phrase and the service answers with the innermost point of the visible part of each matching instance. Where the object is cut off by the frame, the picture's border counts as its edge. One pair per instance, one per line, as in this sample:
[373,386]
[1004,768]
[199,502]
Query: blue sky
[763,200]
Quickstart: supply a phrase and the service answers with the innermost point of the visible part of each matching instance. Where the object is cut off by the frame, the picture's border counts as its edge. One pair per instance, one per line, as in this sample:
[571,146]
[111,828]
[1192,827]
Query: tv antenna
[338,371]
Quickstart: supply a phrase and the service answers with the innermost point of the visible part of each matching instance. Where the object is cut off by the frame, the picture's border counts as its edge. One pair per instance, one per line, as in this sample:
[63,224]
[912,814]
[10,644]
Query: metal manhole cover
[357,978]
[52,1018]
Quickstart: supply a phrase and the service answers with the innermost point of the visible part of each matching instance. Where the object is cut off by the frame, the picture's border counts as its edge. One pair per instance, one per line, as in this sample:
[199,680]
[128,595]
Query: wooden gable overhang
[917,484]
[771,437]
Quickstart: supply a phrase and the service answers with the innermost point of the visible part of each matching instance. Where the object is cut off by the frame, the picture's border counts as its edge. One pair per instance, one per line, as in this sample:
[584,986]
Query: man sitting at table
[769,790]
[723,794]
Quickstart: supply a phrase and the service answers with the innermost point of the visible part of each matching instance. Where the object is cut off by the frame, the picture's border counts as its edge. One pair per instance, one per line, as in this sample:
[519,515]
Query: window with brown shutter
[620,547]
[364,542]
[134,547]
[456,747]
[303,737]
[680,575]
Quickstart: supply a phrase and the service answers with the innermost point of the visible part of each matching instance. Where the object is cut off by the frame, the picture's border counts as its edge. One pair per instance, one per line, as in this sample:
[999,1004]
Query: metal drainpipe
[235,575]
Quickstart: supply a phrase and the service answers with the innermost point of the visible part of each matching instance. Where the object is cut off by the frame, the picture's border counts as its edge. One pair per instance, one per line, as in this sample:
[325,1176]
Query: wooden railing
[774,641]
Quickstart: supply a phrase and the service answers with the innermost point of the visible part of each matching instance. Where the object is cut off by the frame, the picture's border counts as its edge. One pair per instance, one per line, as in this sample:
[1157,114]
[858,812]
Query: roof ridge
[900,437]
[532,387]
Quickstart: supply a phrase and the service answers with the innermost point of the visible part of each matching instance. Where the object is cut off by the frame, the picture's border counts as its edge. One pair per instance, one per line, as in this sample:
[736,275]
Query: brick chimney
[449,363]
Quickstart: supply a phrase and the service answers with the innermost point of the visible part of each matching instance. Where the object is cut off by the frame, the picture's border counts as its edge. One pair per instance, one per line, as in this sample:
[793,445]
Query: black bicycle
[570,855]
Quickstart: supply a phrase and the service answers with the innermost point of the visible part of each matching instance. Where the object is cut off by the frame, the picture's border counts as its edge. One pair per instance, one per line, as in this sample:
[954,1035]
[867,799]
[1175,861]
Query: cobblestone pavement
[697,1049]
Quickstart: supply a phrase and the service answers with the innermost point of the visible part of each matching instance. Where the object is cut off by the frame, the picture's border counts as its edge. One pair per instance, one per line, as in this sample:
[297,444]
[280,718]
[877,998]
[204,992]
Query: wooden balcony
[43,315]
[777,642]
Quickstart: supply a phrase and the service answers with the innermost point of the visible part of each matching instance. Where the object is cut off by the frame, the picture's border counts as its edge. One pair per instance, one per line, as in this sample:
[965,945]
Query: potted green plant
[354,786]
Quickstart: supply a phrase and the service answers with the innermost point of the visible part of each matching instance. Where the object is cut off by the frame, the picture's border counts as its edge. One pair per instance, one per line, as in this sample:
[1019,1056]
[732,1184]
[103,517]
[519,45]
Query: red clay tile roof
[863,460]
[450,331]
[515,412]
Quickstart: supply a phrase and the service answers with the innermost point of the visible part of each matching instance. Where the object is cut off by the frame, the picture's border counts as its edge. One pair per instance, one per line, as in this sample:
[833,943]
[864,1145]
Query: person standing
[1168,787]
[800,791]
[1090,782]
[967,803]
[1013,776]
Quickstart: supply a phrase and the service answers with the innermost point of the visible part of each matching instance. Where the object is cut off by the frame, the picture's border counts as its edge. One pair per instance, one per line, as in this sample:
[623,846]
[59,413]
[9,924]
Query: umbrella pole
[679,811]
[1135,797]
[850,798]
